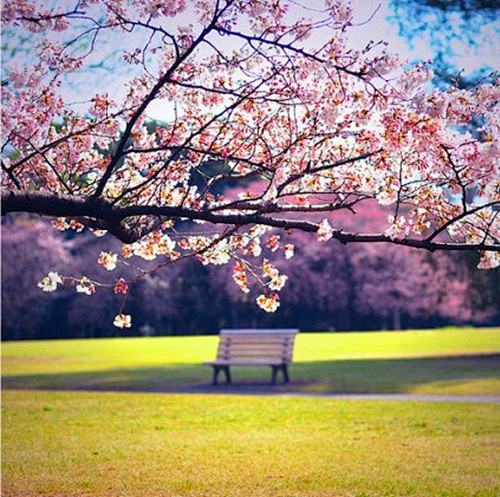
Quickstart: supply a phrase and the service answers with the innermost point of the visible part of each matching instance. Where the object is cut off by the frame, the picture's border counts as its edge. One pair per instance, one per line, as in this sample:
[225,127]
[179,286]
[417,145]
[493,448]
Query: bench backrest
[252,344]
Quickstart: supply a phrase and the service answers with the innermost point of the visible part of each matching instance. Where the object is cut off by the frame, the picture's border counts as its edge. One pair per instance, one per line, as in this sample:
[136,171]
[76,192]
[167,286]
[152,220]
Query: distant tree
[29,250]
[396,284]
[251,90]
[452,27]
[187,299]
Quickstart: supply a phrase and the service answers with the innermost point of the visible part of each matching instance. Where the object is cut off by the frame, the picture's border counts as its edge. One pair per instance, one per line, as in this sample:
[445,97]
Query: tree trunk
[396,316]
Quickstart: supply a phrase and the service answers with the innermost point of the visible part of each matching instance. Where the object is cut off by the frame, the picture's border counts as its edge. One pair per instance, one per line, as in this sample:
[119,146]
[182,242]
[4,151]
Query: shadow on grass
[467,375]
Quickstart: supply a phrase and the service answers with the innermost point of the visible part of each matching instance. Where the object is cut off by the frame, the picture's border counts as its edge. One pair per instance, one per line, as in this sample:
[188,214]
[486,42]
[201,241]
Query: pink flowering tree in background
[392,282]
[252,92]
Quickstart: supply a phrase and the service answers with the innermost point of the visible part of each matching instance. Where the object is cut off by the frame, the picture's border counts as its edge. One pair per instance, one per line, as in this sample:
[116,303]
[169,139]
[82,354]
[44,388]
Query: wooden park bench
[252,347]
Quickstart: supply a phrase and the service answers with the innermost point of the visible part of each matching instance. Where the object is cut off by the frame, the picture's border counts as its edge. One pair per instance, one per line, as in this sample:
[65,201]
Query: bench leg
[286,378]
[274,373]
[228,374]
[284,371]
[217,370]
[216,374]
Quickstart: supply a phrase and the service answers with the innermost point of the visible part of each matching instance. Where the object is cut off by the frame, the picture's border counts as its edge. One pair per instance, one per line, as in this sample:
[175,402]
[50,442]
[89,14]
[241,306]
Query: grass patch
[104,444]
[477,375]
[457,361]
[100,354]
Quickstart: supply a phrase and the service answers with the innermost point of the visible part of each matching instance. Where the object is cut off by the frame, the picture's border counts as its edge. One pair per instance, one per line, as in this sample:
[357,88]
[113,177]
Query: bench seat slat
[244,336]
[254,362]
[257,334]
[251,354]
[257,331]
[255,351]
[257,347]
[255,344]
[273,340]
[281,350]
[255,338]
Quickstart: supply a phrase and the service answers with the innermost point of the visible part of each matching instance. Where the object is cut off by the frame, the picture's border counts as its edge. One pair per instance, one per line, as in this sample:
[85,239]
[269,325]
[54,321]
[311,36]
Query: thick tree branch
[113,218]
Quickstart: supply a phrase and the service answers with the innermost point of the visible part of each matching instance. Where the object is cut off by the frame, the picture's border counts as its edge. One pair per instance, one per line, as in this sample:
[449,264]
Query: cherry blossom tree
[392,283]
[268,91]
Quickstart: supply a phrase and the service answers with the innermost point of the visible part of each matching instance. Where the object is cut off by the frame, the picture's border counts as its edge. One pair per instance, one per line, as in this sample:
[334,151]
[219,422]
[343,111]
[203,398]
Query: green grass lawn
[105,444]
[456,361]
[127,444]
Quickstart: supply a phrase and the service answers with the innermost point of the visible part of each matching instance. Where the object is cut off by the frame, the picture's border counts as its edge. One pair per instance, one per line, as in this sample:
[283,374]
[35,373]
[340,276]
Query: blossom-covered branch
[270,122]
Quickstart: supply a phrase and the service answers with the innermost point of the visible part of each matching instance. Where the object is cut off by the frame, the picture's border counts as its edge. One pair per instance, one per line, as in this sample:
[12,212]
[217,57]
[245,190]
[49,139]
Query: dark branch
[113,218]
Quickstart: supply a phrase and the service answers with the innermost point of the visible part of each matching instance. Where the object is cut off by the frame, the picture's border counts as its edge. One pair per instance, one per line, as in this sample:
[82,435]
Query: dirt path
[404,396]
[271,392]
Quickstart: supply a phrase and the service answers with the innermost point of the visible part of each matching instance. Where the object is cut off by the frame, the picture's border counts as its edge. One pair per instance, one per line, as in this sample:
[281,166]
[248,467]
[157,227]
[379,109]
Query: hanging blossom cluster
[262,132]
[207,249]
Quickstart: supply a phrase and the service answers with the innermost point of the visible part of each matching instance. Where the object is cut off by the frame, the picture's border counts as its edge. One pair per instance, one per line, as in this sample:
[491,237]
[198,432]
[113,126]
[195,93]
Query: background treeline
[331,287]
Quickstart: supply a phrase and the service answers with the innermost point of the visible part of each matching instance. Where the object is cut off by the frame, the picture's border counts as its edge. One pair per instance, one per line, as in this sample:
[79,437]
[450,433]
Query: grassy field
[122,444]
[130,444]
[457,361]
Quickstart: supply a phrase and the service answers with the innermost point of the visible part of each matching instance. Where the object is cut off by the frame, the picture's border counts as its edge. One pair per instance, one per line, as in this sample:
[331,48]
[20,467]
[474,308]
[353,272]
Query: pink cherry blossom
[49,283]
[122,321]
[325,231]
[108,260]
